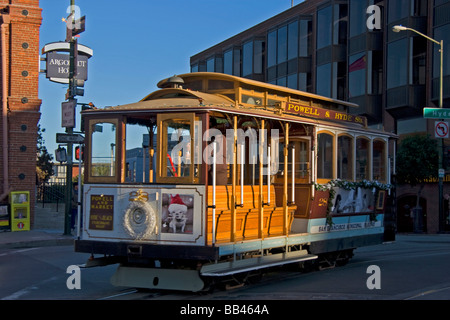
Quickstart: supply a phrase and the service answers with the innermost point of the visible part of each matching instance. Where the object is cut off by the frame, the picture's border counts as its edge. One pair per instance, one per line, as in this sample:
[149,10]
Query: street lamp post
[399,28]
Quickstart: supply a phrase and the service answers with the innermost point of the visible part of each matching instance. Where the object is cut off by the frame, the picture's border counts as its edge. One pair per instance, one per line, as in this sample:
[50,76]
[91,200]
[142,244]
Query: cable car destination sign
[325,114]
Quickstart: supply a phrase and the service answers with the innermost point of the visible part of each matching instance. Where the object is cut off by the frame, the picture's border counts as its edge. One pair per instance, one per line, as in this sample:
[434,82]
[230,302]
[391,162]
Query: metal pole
[69,130]
[79,194]
[214,193]
[441,144]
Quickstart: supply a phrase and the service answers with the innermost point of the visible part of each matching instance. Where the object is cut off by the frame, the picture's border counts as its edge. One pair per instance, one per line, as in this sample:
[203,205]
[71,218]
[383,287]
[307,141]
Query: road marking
[427,292]
[118,295]
[17,251]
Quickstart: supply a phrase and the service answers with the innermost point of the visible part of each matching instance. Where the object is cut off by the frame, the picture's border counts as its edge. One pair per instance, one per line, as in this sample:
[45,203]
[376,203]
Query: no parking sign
[441,129]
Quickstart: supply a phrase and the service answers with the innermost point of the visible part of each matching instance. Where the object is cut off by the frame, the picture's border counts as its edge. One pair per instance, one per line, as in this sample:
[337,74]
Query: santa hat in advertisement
[176,204]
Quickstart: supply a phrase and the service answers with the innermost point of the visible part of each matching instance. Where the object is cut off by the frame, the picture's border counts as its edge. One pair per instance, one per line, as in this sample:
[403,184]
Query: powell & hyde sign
[319,113]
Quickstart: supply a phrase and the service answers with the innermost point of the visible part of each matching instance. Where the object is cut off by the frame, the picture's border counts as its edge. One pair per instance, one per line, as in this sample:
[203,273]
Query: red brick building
[20,21]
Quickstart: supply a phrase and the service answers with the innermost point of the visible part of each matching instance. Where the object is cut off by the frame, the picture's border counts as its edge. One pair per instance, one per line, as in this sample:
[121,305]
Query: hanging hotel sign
[58,61]
[324,114]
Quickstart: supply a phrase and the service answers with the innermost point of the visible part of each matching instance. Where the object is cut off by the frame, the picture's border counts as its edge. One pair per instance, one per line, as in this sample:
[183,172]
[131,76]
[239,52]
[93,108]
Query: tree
[44,164]
[417,162]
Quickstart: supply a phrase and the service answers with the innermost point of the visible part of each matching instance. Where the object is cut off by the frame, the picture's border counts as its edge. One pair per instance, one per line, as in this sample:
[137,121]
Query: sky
[137,43]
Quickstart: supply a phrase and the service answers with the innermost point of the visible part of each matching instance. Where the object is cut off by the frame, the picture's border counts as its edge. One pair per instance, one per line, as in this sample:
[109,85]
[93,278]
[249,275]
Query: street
[414,267]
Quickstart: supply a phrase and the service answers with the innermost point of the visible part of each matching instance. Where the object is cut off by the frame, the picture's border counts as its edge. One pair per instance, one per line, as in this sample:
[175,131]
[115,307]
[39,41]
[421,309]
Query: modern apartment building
[347,50]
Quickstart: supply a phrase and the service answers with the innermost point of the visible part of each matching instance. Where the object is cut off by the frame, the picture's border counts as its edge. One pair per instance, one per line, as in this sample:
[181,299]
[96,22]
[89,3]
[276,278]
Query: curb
[38,243]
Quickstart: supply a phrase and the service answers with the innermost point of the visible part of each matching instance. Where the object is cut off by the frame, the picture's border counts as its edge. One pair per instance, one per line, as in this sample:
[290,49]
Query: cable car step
[232,267]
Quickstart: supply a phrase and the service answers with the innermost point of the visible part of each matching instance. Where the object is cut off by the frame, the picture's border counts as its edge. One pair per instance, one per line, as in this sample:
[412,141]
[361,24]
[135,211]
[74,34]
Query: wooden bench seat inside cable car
[246,215]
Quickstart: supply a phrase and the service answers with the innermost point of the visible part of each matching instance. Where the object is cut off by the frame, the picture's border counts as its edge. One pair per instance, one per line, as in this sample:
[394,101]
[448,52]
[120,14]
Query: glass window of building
[292,40]
[304,81]
[418,61]
[323,85]
[397,64]
[210,65]
[247,58]
[258,56]
[194,68]
[292,81]
[362,159]
[324,27]
[272,48]
[379,160]
[357,75]
[237,62]
[398,10]
[345,158]
[441,33]
[228,62]
[325,156]
[305,38]
[358,16]
[340,24]
[282,45]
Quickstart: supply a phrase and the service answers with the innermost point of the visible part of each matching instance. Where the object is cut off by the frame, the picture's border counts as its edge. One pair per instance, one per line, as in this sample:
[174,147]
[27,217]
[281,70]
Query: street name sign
[436,113]
[69,138]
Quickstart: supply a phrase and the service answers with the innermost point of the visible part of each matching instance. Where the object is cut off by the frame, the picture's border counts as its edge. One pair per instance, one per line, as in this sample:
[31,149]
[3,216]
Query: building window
[398,10]
[340,24]
[357,74]
[228,62]
[247,59]
[237,62]
[282,45]
[323,85]
[305,38]
[272,48]
[397,64]
[358,16]
[442,33]
[324,27]
[258,56]
[210,65]
[304,81]
[292,52]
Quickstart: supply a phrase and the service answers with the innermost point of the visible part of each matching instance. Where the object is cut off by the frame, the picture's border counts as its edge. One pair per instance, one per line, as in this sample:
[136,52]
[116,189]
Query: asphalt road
[415,267]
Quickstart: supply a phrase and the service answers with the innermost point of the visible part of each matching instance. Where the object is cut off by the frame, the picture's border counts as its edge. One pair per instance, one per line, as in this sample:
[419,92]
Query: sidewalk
[48,230]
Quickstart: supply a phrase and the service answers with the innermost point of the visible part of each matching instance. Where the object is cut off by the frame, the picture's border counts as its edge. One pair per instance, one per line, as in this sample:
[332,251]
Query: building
[20,21]
[346,49]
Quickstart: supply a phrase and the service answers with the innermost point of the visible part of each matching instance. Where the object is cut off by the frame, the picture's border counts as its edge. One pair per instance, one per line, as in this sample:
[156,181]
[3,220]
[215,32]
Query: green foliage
[44,164]
[417,160]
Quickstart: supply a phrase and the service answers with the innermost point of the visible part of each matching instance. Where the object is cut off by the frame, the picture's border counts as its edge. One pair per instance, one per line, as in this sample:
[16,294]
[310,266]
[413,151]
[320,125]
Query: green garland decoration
[348,185]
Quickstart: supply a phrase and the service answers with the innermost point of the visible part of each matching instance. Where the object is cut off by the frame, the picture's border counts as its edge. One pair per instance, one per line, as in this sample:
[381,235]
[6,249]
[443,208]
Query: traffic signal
[79,153]
[75,89]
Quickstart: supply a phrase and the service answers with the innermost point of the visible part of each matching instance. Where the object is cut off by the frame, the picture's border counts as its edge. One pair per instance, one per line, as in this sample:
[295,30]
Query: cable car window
[362,159]
[325,156]
[345,158]
[176,134]
[379,160]
[103,149]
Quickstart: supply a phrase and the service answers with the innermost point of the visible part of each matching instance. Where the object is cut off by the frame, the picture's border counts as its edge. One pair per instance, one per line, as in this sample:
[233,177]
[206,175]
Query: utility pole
[73,28]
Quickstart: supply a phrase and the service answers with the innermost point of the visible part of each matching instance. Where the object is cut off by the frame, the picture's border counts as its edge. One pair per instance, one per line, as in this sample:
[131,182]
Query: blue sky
[136,43]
